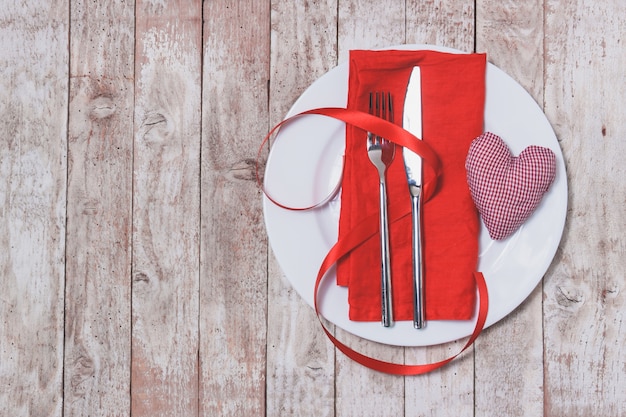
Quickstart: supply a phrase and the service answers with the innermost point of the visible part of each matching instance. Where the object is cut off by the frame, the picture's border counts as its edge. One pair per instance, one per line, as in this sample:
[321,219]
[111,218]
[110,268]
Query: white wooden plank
[449,24]
[97,315]
[509,363]
[166,209]
[584,303]
[33,132]
[509,355]
[233,310]
[369,25]
[300,359]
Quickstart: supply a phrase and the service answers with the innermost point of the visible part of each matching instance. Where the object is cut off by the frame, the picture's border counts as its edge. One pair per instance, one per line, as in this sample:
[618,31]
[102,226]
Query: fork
[381,152]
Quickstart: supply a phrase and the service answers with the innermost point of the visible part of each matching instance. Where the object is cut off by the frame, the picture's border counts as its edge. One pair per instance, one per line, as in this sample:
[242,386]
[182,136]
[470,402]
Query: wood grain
[369,25]
[166,209]
[584,301]
[100,145]
[301,378]
[33,131]
[135,275]
[512,35]
[233,323]
[449,24]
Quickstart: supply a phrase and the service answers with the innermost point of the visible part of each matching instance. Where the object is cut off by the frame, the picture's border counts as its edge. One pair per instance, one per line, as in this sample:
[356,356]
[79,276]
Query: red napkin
[453,95]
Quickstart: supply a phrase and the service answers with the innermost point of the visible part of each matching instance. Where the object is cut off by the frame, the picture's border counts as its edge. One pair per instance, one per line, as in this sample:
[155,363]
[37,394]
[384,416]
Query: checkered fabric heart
[507,189]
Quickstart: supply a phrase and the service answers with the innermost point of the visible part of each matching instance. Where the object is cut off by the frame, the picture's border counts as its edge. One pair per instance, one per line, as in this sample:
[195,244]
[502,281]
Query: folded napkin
[453,95]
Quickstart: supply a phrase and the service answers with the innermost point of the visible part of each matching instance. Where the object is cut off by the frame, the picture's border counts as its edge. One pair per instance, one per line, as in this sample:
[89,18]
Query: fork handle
[418,266]
[387,306]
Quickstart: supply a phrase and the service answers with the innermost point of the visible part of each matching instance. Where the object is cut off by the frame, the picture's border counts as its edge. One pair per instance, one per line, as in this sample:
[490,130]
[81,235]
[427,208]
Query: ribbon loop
[391,132]
[367,229]
[370,123]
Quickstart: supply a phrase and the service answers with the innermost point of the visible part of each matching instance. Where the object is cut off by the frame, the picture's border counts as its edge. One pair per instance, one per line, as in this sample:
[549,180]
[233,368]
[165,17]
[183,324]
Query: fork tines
[381,105]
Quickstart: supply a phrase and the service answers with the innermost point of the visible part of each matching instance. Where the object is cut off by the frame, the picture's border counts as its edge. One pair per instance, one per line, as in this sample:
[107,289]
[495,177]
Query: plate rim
[491,319]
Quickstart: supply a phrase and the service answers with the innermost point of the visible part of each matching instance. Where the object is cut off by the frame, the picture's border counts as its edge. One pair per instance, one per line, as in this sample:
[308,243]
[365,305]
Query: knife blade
[412,122]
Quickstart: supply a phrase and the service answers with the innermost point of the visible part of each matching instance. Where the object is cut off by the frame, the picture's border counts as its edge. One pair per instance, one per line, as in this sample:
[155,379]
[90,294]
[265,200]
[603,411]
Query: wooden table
[135,272]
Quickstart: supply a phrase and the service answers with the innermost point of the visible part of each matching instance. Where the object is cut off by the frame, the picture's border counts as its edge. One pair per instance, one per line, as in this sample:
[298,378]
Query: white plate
[305,163]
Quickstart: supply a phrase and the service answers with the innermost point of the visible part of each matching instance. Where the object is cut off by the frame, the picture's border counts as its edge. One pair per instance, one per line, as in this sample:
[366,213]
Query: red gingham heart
[507,189]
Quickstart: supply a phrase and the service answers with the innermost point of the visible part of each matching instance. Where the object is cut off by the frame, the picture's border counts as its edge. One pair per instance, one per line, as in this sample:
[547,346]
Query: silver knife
[412,122]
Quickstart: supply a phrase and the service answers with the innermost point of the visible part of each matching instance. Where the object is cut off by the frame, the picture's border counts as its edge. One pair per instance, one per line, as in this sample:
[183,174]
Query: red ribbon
[369,123]
[368,228]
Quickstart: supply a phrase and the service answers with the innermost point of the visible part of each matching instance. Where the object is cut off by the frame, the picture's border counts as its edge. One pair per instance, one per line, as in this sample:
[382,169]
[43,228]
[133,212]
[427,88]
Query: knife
[412,122]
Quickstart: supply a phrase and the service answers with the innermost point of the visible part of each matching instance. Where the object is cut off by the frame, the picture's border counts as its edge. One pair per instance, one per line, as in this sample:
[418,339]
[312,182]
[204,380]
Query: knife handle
[418,265]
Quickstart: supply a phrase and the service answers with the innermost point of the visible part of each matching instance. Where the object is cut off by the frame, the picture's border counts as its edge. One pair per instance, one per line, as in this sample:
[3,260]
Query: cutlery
[381,153]
[412,122]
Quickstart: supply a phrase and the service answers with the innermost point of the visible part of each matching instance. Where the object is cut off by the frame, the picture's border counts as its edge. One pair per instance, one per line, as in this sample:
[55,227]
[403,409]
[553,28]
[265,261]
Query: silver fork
[381,153]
